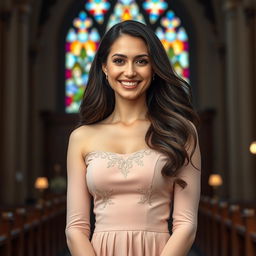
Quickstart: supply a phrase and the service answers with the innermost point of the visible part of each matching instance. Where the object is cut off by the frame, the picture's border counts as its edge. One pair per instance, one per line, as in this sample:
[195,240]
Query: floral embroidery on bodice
[105,196]
[146,194]
[122,184]
[115,159]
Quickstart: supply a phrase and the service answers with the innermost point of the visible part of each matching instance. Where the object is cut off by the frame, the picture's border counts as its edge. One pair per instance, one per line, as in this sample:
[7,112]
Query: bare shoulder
[81,133]
[81,138]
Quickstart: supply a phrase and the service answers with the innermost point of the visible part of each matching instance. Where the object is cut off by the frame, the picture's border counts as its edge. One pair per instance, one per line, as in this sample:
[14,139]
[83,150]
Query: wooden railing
[34,231]
[225,229]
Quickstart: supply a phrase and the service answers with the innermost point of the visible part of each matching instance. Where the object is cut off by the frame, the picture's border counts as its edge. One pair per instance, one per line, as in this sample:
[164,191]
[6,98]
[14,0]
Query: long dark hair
[168,99]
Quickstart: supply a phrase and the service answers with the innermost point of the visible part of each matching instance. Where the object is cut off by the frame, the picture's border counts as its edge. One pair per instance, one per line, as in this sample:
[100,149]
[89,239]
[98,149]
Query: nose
[130,70]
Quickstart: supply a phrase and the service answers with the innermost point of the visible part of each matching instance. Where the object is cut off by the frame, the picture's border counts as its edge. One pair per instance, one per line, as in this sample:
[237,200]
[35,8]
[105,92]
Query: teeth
[129,83]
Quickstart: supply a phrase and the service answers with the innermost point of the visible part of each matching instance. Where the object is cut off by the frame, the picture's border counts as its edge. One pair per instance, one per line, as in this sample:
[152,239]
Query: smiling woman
[128,66]
[135,152]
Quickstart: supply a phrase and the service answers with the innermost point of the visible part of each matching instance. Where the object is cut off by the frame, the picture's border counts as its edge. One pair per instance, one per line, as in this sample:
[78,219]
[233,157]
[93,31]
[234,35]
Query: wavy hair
[168,99]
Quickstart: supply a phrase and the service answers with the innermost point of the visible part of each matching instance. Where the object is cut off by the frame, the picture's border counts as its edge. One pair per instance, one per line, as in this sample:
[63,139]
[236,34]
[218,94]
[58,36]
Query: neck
[129,111]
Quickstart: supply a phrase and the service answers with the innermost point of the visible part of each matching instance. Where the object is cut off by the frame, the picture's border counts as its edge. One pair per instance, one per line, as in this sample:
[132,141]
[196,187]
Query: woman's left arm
[185,207]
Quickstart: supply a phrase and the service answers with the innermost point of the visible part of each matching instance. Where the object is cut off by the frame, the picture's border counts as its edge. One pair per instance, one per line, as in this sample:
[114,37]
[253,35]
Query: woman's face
[128,67]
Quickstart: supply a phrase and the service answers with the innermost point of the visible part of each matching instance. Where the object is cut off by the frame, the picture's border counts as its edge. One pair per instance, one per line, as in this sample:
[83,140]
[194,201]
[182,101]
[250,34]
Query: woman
[135,153]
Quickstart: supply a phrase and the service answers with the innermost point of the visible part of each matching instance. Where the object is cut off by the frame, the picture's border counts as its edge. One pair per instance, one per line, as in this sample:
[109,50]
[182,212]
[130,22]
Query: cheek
[113,71]
[113,74]
[147,73]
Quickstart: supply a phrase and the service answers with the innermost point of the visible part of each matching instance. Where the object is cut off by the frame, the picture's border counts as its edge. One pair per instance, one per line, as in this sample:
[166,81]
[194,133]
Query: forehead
[129,46]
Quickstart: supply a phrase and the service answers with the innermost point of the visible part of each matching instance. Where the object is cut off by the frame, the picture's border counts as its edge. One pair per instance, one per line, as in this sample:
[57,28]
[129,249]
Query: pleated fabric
[129,243]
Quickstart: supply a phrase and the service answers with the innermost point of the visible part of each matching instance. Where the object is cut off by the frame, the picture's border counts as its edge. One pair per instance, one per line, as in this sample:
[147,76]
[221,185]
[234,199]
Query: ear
[104,68]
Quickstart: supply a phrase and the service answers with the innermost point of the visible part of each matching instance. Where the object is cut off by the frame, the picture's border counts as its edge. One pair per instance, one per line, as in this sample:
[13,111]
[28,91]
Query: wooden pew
[34,231]
[224,244]
[209,228]
[60,222]
[5,233]
[250,231]
[225,230]
[200,237]
[17,232]
[237,231]
[215,234]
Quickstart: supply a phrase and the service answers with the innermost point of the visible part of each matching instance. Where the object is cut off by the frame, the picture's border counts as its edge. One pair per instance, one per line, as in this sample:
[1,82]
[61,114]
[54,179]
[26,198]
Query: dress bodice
[129,191]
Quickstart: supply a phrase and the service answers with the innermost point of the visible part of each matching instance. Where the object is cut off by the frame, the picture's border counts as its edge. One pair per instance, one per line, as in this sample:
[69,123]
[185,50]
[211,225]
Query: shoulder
[80,135]
[82,132]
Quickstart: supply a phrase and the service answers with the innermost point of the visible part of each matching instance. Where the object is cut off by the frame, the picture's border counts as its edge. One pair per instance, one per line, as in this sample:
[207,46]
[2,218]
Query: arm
[78,200]
[185,208]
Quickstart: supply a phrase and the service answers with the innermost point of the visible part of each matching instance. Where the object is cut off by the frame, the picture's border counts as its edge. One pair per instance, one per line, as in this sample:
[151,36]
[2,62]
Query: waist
[150,228]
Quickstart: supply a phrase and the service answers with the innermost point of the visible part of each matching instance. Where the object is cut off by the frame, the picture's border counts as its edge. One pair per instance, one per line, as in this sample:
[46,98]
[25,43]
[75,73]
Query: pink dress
[132,203]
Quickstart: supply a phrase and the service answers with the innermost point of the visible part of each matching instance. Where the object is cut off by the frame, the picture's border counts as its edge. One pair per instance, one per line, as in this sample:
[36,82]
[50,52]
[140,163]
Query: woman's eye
[118,61]
[142,62]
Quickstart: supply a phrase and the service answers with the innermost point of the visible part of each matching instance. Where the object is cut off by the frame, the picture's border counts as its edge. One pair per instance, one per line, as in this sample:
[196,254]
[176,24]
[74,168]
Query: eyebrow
[124,56]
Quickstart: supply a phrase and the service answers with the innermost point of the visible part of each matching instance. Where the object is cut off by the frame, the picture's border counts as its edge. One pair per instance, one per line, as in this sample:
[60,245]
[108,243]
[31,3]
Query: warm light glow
[215,180]
[253,147]
[41,183]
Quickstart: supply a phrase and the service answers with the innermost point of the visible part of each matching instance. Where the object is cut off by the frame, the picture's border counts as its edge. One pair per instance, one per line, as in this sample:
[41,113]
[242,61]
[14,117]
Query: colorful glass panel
[81,43]
[125,10]
[97,8]
[175,41]
[154,8]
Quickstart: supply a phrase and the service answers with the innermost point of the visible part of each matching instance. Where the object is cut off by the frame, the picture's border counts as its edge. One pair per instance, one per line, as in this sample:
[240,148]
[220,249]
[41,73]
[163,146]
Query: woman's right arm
[78,199]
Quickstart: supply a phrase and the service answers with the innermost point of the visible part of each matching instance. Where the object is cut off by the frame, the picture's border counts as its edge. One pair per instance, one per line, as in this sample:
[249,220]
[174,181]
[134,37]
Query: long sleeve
[78,200]
[185,207]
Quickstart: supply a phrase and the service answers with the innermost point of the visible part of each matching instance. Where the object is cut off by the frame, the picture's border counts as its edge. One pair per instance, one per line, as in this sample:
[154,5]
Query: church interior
[46,49]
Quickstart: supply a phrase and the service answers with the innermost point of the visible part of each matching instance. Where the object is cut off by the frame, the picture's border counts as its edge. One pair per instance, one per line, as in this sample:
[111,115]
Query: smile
[130,84]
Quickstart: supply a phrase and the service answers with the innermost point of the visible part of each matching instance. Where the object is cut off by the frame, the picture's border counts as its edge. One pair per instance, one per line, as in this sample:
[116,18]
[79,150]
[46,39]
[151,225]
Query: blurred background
[46,49]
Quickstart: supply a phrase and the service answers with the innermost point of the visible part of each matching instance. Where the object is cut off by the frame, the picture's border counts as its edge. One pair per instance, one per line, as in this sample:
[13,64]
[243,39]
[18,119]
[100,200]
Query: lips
[129,83]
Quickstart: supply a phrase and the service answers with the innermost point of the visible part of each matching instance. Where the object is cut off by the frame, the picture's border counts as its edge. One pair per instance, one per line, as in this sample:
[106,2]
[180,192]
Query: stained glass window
[125,10]
[154,8]
[175,41]
[81,43]
[91,23]
[98,8]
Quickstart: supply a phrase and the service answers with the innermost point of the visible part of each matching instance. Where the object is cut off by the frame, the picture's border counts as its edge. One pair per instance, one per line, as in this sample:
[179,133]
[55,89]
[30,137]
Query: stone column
[15,111]
[22,100]
[250,22]
[250,104]
[232,84]
[240,113]
[5,24]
